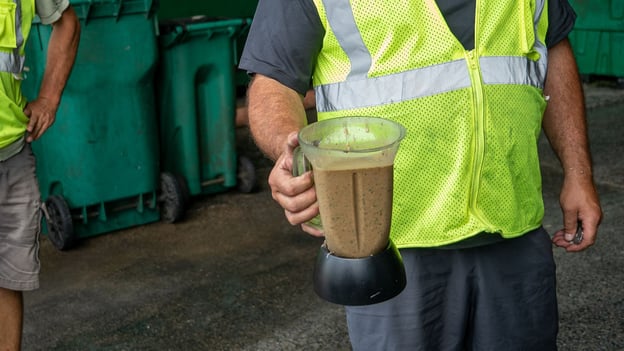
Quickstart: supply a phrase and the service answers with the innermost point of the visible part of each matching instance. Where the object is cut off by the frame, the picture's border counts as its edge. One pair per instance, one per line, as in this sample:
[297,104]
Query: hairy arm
[61,55]
[566,129]
[275,111]
[276,114]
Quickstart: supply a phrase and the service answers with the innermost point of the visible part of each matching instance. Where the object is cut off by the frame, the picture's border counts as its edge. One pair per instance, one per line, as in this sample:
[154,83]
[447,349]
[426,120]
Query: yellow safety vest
[15,21]
[469,163]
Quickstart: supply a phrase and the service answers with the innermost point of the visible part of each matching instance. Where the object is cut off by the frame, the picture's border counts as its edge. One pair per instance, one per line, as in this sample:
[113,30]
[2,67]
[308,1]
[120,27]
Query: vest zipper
[479,133]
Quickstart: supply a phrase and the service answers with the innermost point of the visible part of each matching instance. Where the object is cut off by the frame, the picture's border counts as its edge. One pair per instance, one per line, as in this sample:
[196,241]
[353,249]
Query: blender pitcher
[352,160]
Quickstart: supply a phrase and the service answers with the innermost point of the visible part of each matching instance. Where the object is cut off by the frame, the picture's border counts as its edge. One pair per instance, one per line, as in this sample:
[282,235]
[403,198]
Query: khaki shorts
[20,222]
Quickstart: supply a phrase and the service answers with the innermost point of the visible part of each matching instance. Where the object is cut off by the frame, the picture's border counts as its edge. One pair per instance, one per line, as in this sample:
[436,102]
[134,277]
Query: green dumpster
[598,37]
[196,96]
[174,9]
[98,165]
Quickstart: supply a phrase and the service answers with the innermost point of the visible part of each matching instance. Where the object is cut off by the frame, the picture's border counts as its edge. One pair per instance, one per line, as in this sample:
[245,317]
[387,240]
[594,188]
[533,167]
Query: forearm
[566,128]
[61,55]
[564,120]
[274,112]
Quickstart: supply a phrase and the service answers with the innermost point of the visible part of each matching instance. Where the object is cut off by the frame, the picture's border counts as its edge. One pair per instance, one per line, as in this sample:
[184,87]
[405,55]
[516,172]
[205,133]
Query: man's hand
[296,195]
[61,54]
[42,113]
[276,114]
[581,207]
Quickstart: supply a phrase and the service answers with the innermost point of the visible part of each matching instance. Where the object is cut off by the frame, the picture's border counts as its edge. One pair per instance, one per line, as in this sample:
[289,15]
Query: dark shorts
[495,297]
[20,222]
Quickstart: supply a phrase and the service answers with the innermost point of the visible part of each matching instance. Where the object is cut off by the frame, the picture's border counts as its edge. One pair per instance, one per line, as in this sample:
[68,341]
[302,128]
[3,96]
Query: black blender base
[359,281]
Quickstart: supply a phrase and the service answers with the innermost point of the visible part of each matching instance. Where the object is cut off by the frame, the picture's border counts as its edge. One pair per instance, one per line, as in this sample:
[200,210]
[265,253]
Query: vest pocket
[8,37]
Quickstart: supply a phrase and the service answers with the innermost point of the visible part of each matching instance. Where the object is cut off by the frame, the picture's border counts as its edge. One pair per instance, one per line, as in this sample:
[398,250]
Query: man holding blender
[473,82]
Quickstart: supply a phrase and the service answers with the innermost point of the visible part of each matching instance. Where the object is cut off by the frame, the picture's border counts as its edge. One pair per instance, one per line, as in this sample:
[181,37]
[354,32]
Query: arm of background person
[565,127]
[61,55]
[276,114]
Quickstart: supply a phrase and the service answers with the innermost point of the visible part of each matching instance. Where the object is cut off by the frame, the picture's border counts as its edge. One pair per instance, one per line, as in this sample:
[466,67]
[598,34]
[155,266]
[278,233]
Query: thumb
[300,163]
[292,141]
[27,110]
[570,224]
[32,122]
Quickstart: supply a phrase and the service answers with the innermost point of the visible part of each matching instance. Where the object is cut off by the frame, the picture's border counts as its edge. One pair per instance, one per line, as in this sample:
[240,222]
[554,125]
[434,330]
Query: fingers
[581,215]
[37,126]
[32,122]
[33,129]
[297,200]
[40,119]
[296,195]
[570,224]
[588,230]
[582,237]
[303,216]
[27,110]
[312,230]
[559,239]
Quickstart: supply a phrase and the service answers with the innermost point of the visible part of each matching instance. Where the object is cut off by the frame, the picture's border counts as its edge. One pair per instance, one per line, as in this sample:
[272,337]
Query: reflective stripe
[392,88]
[540,47]
[18,23]
[13,62]
[359,91]
[408,85]
[342,22]
[516,69]
[512,70]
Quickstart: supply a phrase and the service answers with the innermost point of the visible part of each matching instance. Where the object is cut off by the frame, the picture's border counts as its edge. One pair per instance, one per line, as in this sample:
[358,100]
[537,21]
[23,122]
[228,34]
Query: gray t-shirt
[49,11]
[286,36]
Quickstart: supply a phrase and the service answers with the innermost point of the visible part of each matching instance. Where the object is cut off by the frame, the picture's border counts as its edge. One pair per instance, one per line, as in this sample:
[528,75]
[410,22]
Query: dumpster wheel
[246,175]
[172,204]
[59,221]
[186,193]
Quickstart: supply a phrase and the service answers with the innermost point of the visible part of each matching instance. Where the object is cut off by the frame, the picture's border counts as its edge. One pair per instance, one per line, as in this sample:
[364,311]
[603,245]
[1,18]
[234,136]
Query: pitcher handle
[301,164]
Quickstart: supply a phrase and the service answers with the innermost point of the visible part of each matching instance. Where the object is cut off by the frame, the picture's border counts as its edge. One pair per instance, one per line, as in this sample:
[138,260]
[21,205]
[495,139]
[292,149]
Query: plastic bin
[197,105]
[174,9]
[598,37]
[98,165]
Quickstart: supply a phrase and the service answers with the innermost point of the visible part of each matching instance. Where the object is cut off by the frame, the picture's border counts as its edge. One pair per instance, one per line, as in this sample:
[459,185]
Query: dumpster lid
[205,22]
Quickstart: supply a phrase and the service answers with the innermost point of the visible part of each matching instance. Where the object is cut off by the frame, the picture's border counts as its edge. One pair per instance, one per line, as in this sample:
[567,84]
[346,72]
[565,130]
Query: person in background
[21,123]
[474,82]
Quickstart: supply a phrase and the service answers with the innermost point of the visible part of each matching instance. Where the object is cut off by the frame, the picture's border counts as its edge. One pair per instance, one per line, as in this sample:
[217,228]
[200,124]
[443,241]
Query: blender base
[359,281]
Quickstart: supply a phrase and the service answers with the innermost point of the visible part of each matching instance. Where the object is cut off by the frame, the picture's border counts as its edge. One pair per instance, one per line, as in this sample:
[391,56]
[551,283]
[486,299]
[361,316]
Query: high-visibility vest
[469,163]
[15,21]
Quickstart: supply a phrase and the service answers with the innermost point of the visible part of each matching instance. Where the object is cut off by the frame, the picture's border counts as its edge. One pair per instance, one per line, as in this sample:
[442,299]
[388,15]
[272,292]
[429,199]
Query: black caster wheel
[246,175]
[186,193]
[59,222]
[171,198]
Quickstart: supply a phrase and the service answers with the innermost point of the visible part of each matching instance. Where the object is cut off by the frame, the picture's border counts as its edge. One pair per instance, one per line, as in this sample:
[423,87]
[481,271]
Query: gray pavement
[234,275]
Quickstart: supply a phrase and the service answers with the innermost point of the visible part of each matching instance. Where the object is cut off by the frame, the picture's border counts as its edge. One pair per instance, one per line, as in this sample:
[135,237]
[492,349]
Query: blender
[352,159]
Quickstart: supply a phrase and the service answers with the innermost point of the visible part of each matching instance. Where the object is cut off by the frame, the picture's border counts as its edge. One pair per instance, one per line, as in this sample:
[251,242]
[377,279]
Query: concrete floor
[234,275]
